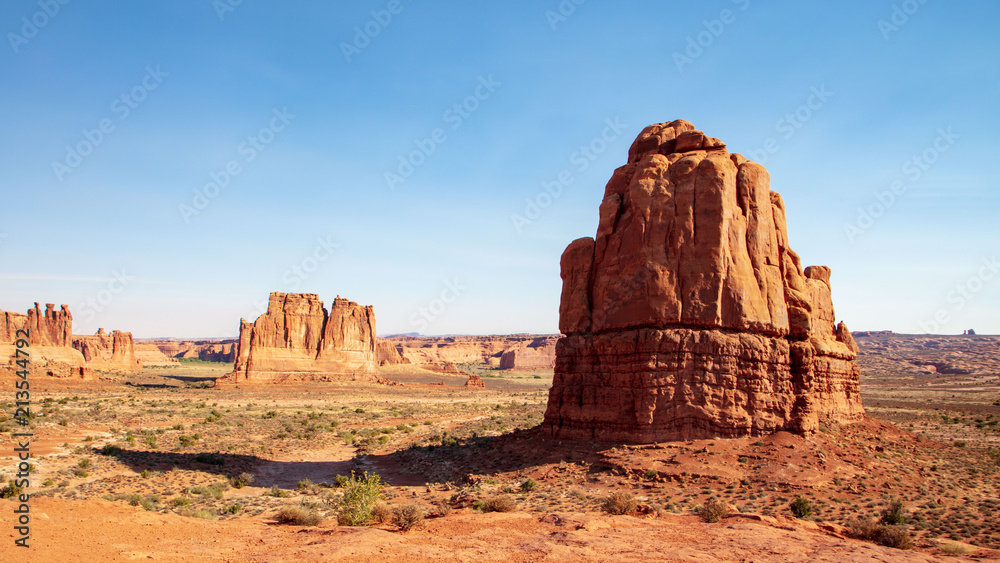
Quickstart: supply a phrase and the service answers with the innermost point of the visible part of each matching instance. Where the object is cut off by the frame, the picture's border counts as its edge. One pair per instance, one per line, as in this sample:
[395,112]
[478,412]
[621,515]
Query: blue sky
[287,117]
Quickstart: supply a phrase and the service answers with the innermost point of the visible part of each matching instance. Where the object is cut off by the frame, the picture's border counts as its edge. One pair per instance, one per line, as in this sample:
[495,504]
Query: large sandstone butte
[58,352]
[689,316]
[298,340]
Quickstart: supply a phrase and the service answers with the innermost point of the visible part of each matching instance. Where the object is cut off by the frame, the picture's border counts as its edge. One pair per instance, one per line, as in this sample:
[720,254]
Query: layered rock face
[48,328]
[205,350]
[689,315]
[298,340]
[530,351]
[108,351]
[56,351]
[539,353]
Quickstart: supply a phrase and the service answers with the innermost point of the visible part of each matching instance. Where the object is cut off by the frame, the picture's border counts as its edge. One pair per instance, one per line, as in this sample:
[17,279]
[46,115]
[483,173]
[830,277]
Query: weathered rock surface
[150,355]
[115,351]
[298,340]
[689,315]
[387,354]
[539,353]
[56,351]
[531,351]
[221,350]
[475,381]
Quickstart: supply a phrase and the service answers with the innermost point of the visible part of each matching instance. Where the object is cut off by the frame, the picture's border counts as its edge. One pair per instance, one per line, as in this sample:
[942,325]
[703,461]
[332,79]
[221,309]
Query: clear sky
[166,165]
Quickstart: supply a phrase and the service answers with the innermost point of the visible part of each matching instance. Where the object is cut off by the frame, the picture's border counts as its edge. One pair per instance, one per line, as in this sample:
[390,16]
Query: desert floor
[148,466]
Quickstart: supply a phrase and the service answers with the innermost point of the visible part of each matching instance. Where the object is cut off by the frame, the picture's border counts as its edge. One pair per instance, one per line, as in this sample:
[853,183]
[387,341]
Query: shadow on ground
[458,461]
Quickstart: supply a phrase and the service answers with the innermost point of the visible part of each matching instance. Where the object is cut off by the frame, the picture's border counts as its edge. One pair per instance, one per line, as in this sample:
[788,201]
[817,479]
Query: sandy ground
[95,530]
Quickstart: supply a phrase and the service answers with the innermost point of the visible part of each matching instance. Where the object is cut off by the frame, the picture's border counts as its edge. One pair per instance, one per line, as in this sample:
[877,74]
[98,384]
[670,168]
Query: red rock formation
[387,354]
[539,353]
[204,350]
[489,350]
[297,340]
[475,382]
[58,352]
[48,328]
[689,315]
[115,351]
[150,355]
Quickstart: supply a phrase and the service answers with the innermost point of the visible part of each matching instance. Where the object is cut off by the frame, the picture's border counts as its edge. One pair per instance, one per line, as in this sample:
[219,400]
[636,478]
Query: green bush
[361,493]
[893,515]
[528,485]
[11,490]
[801,507]
[110,450]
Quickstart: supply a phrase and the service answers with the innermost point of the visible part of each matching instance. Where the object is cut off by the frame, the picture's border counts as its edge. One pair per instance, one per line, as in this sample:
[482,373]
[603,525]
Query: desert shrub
[82,473]
[298,515]
[361,493]
[713,510]
[407,517]
[801,507]
[501,503]
[528,485]
[83,463]
[233,508]
[274,491]
[381,513]
[893,515]
[743,459]
[955,549]
[650,474]
[443,508]
[110,450]
[242,480]
[202,513]
[304,484]
[11,490]
[882,534]
[181,501]
[619,502]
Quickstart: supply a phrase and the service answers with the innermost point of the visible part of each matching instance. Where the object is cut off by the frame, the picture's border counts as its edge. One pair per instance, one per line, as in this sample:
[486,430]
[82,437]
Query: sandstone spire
[689,315]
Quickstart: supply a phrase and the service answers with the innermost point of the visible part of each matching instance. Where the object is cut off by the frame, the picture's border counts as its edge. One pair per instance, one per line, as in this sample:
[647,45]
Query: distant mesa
[509,351]
[689,315]
[57,352]
[298,340]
